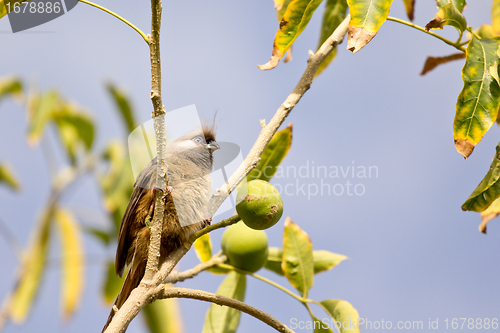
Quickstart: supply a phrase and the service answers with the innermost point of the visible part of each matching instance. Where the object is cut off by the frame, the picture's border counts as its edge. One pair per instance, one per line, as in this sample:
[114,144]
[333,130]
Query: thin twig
[457,45]
[175,277]
[266,280]
[222,224]
[118,17]
[169,292]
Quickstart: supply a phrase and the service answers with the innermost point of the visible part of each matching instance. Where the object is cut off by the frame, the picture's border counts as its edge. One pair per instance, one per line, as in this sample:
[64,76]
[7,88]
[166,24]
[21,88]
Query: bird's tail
[132,280]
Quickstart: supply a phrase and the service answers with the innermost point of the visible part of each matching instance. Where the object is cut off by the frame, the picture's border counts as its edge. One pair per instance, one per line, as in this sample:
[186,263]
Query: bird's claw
[167,192]
[207,221]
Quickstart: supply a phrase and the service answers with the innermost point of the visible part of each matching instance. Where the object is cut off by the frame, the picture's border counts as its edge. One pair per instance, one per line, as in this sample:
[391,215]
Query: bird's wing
[134,218]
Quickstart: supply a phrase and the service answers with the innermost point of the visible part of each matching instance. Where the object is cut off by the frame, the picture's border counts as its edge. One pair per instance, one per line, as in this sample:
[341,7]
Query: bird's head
[197,146]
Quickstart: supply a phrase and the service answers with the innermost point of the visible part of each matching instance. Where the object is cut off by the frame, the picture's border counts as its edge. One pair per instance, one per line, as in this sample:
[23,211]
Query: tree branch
[175,277]
[143,294]
[161,143]
[169,292]
[222,224]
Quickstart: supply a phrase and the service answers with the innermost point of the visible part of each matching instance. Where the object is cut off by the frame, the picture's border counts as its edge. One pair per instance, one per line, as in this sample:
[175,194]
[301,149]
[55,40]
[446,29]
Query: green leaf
[102,235]
[76,130]
[163,316]
[294,20]
[488,189]
[459,4]
[410,8]
[203,248]
[274,260]
[40,112]
[485,31]
[367,16]
[123,105]
[31,271]
[320,327]
[272,156]
[478,102]
[495,16]
[8,177]
[117,182]
[10,85]
[344,314]
[297,257]
[334,14]
[326,260]
[222,319]
[73,260]
[448,15]
[323,260]
[112,283]
[74,126]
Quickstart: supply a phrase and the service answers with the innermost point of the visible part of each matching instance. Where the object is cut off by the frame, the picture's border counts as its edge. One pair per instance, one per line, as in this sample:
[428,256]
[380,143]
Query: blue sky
[414,255]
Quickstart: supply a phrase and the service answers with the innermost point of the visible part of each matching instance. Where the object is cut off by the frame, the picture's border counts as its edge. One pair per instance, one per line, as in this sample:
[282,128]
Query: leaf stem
[309,310]
[222,224]
[321,305]
[118,17]
[458,46]
[272,283]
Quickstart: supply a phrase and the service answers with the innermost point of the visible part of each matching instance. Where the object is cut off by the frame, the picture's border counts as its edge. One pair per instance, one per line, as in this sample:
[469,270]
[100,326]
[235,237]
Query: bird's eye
[197,139]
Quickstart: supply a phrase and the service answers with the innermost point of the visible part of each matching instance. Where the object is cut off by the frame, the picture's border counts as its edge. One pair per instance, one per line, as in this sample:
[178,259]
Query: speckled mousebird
[190,162]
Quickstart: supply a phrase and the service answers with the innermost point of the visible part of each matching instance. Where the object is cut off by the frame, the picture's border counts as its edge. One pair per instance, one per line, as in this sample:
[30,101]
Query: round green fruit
[245,248]
[259,204]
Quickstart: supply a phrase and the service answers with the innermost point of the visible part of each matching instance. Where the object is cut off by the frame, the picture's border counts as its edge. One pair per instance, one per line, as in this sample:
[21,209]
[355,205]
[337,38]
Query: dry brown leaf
[410,8]
[288,56]
[464,147]
[275,58]
[358,37]
[433,62]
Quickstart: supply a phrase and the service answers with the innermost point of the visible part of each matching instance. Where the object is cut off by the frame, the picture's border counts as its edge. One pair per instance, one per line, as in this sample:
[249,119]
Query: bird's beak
[212,146]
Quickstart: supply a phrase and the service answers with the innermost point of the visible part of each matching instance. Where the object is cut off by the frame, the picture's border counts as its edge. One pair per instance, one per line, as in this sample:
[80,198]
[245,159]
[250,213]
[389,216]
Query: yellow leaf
[31,271]
[489,214]
[367,16]
[72,260]
[203,248]
[8,177]
[495,16]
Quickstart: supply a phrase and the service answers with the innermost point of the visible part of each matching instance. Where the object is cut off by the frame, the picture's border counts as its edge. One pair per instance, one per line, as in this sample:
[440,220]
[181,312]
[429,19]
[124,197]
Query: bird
[189,163]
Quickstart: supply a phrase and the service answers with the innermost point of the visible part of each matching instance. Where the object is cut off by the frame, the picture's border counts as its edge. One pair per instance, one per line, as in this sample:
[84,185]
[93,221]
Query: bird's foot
[207,221]
[167,192]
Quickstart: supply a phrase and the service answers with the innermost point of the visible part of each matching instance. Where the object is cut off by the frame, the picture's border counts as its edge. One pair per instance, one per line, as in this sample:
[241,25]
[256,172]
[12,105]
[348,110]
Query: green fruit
[259,204]
[245,248]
